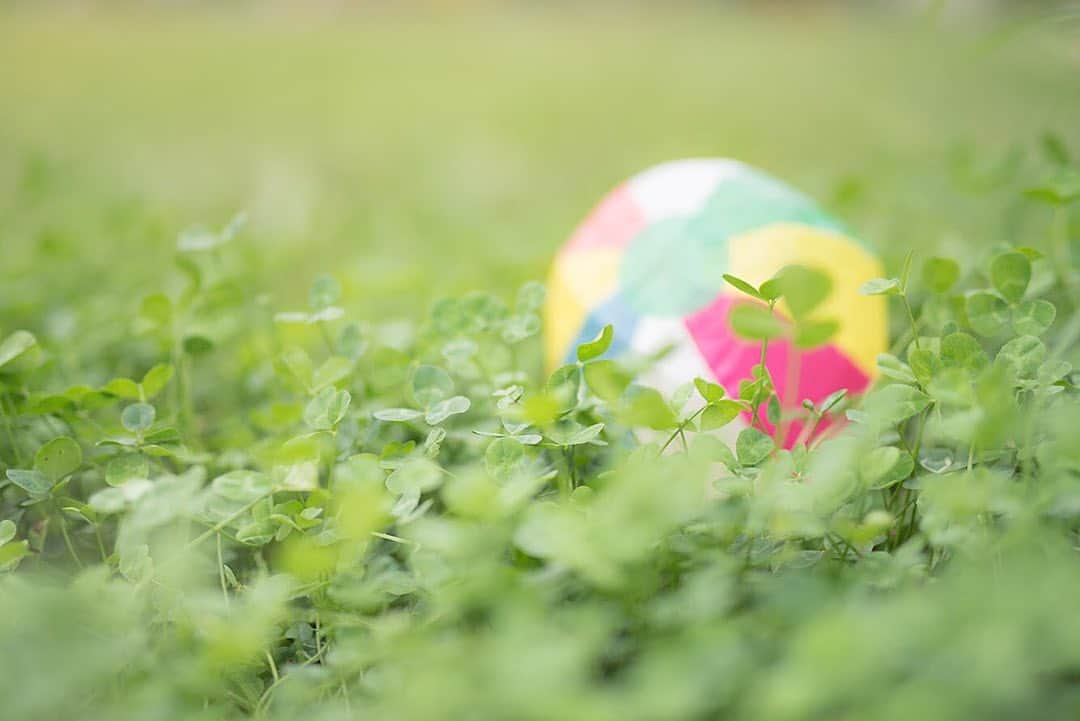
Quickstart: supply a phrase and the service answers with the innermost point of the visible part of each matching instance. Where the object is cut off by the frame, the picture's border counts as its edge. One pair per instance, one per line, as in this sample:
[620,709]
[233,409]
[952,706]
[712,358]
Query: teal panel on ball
[751,200]
[674,266]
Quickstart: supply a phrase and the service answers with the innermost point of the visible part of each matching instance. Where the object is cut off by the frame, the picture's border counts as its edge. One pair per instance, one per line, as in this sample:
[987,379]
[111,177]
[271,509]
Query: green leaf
[562,388]
[442,410]
[771,290]
[1011,273]
[924,364]
[940,274]
[986,312]
[831,400]
[893,367]
[197,345]
[1061,190]
[1023,355]
[520,326]
[15,345]
[881,286]
[813,333]
[743,286]
[156,310]
[327,408]
[710,391]
[7,530]
[961,350]
[415,474]
[804,289]
[36,483]
[122,388]
[12,553]
[241,486]
[397,415]
[431,384]
[752,446]
[905,271]
[326,315]
[130,466]
[234,226]
[530,297]
[885,466]
[719,414]
[503,457]
[1033,317]
[333,370]
[191,240]
[875,464]
[606,379]
[163,436]
[156,379]
[138,417]
[773,412]
[953,387]
[351,342]
[58,458]
[325,292]
[753,321]
[297,363]
[577,435]
[597,346]
[895,403]
[646,407]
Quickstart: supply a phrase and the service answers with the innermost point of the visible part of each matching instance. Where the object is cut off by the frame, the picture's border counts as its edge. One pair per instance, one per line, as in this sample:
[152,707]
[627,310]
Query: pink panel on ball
[611,224]
[821,370]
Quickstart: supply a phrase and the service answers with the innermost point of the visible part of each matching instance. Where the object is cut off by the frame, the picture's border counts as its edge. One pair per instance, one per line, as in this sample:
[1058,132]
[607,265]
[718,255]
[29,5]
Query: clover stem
[681,427]
[764,369]
[5,409]
[911,319]
[220,525]
[101,543]
[326,337]
[791,392]
[572,461]
[221,572]
[67,537]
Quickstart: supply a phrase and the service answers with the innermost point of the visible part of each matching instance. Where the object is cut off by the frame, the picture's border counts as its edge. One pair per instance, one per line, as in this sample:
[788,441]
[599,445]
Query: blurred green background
[419,151]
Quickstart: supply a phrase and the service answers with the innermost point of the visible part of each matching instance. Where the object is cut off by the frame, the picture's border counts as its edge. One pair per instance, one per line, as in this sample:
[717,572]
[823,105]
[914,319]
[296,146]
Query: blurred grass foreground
[274,438]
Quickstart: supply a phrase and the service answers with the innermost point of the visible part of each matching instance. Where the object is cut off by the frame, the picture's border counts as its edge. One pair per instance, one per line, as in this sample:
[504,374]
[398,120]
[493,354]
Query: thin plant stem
[100,543]
[221,572]
[67,537]
[8,412]
[754,420]
[273,666]
[264,699]
[1061,248]
[326,337]
[220,525]
[681,427]
[911,320]
[791,391]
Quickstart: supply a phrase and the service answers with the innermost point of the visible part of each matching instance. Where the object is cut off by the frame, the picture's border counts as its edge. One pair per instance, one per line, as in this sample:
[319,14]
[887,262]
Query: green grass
[309,467]
[390,147]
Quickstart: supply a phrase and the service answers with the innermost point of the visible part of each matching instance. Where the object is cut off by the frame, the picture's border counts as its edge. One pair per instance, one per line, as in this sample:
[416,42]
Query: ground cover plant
[277,466]
[397,522]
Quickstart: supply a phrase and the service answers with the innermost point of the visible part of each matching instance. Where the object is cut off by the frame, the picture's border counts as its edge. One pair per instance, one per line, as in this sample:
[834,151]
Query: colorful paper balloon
[650,259]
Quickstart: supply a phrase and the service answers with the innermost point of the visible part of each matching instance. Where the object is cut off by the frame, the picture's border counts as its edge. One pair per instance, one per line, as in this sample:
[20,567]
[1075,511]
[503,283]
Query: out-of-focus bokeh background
[421,148]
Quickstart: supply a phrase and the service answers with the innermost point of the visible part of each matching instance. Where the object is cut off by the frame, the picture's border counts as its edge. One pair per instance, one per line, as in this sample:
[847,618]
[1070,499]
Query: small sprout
[596,347]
